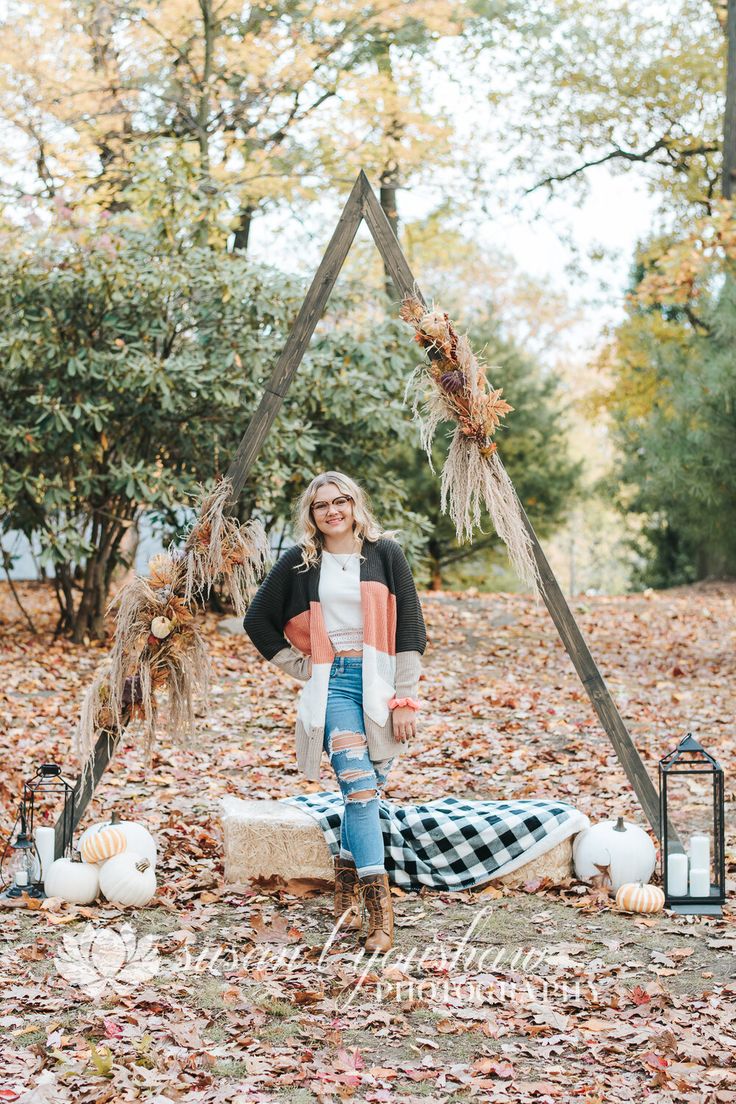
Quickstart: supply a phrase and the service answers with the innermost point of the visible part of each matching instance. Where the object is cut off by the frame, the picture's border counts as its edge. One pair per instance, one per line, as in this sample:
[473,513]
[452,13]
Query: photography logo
[102,960]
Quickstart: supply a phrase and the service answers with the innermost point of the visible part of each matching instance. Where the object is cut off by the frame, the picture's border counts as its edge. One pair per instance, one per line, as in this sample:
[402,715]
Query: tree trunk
[113,145]
[216,604]
[13,590]
[203,115]
[89,621]
[242,232]
[109,564]
[435,565]
[729,119]
[90,602]
[389,185]
[84,610]
[123,568]
[389,179]
[65,597]
[715,562]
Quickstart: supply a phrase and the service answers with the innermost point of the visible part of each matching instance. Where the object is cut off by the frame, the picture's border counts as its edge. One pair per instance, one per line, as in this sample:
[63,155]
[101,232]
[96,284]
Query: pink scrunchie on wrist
[397,703]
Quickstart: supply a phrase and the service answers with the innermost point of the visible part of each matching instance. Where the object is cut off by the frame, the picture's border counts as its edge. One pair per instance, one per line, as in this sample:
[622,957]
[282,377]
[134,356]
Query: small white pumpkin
[128,879]
[74,881]
[103,845]
[618,846]
[161,627]
[637,897]
[137,836]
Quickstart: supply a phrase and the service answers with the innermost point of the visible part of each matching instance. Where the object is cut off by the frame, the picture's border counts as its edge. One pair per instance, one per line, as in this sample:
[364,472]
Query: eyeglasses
[322,507]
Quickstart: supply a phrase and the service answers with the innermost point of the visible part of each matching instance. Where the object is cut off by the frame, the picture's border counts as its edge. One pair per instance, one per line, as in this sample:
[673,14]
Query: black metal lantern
[23,863]
[692,830]
[27,862]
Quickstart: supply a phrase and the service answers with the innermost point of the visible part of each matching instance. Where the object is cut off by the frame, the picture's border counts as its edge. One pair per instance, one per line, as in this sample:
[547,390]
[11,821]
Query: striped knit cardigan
[285,623]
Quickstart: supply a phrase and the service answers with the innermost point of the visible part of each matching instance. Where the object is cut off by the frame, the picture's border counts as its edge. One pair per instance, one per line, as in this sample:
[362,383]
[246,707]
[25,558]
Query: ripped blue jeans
[360,780]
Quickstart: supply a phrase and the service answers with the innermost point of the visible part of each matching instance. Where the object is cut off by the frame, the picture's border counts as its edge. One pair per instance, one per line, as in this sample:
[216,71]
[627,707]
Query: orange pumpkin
[637,897]
[103,845]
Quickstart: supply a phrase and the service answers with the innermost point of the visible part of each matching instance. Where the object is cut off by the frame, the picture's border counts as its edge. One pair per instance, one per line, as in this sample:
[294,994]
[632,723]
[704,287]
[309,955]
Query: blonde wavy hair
[306,533]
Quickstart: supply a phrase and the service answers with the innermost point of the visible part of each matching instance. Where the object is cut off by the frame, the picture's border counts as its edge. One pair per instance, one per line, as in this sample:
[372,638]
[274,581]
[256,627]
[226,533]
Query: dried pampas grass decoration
[158,644]
[472,474]
[218,547]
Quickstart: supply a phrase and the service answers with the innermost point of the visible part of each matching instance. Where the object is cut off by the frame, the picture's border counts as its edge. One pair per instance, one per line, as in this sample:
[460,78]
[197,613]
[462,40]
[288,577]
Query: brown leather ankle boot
[347,896]
[376,899]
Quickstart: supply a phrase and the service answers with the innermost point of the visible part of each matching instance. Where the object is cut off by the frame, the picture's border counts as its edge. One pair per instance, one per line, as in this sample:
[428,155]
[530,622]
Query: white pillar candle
[21,878]
[45,843]
[700,852]
[677,874]
[699,882]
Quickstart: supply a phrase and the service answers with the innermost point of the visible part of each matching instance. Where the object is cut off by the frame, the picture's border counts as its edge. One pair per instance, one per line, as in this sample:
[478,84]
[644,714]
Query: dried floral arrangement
[472,474]
[158,644]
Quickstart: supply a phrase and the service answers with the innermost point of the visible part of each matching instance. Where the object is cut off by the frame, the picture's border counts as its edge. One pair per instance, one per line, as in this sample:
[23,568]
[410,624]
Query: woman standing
[340,611]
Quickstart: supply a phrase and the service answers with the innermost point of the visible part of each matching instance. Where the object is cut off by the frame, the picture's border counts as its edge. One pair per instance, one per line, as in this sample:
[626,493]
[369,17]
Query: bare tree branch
[664,144]
[14,592]
[697,323]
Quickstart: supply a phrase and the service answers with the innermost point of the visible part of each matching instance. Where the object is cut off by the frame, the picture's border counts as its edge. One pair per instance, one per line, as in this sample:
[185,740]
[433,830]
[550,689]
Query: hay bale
[264,838]
[555,864]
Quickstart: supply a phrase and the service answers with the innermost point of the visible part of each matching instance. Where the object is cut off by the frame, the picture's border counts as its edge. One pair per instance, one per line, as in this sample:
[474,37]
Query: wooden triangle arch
[362,204]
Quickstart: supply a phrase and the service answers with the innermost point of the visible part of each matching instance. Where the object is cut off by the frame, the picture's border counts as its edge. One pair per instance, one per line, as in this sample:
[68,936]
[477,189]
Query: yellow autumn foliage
[678,273]
[630,370]
[256,103]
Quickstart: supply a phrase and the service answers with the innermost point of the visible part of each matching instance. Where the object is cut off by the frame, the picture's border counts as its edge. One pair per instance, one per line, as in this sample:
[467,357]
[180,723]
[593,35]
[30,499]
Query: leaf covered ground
[544,993]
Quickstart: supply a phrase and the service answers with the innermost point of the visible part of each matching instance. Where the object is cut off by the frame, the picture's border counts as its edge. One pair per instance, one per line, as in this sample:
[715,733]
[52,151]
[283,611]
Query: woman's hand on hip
[404,720]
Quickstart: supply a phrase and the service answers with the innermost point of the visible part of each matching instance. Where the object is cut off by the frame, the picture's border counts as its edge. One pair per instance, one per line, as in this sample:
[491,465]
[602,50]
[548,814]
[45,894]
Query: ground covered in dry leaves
[541,994]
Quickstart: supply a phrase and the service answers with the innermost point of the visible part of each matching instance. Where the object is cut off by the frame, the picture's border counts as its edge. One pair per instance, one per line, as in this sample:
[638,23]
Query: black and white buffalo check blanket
[451,844]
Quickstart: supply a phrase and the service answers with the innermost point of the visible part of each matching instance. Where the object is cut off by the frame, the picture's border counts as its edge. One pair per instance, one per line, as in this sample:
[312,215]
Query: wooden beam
[362,203]
[311,311]
[387,244]
[309,315]
[594,684]
[105,747]
[561,614]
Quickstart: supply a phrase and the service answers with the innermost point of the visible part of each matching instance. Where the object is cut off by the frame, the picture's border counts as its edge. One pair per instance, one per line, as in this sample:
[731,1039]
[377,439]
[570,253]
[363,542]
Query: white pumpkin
[128,879]
[137,837]
[75,882]
[161,627]
[102,845]
[619,846]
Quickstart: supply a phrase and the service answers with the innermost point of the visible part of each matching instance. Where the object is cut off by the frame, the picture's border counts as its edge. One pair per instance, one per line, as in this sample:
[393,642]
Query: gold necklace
[335,555]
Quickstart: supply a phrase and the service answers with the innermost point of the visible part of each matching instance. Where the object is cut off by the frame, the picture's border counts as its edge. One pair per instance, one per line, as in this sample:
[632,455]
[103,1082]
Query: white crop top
[339,596]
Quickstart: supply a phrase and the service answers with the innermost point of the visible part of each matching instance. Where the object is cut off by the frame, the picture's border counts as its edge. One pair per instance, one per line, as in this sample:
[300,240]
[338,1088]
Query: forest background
[156,155]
